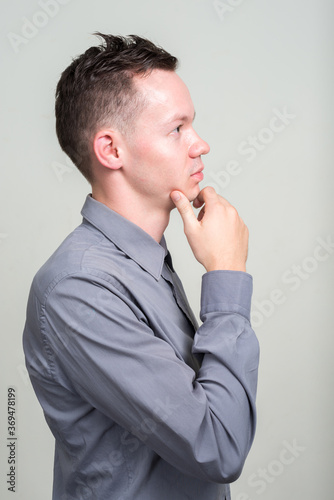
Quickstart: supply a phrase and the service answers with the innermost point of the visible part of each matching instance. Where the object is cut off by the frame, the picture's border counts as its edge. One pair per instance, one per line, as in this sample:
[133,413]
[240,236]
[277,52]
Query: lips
[198,174]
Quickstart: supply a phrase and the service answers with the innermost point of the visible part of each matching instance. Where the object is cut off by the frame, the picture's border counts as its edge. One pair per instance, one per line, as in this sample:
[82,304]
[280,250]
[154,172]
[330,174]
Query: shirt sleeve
[99,340]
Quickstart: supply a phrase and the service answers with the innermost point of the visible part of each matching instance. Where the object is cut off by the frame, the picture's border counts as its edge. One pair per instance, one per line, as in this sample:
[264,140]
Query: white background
[244,62]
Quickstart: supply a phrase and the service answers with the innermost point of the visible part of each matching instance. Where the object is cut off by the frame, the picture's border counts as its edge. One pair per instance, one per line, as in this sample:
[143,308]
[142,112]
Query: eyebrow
[181,118]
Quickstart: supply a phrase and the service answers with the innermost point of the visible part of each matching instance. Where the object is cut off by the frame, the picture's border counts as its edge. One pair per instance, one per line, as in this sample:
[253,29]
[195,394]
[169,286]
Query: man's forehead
[167,91]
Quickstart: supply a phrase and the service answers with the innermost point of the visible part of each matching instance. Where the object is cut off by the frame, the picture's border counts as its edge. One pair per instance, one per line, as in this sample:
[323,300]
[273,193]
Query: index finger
[207,195]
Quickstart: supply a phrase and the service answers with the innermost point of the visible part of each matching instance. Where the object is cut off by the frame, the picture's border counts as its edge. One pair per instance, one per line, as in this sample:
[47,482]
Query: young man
[143,403]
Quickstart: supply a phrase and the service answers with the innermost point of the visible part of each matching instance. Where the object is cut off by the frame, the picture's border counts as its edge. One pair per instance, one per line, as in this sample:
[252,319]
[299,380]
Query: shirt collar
[127,236]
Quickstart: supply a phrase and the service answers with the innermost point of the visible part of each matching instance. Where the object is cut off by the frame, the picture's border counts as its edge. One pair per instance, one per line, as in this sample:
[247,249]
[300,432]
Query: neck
[151,218]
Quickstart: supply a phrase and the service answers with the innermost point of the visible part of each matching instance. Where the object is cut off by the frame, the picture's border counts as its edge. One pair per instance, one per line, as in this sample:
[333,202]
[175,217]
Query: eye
[177,129]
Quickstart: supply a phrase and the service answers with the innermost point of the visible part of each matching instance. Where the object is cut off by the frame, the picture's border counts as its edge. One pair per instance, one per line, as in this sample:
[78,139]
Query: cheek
[163,162]
[151,153]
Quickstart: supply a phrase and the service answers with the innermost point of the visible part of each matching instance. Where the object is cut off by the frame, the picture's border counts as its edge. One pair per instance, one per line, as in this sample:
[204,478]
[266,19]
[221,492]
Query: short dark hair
[97,90]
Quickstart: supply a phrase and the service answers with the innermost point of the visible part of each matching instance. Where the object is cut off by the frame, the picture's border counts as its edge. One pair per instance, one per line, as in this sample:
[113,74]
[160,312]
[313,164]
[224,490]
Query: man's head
[164,152]
[97,90]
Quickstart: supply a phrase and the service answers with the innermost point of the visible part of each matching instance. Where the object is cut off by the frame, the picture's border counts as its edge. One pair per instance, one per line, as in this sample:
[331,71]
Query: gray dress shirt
[143,404]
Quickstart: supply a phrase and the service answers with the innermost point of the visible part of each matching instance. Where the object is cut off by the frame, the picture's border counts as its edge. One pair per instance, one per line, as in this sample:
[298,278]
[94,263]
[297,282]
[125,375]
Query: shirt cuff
[226,291]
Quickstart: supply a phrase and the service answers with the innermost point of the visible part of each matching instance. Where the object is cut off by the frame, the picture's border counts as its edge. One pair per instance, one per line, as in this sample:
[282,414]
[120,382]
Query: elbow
[231,475]
[227,461]
[223,473]
[224,469]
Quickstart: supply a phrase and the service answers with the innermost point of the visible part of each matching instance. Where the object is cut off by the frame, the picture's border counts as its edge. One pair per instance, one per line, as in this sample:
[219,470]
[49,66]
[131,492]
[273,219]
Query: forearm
[230,361]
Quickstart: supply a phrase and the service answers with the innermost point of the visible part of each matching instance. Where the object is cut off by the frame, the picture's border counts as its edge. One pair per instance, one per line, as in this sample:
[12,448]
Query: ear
[107,149]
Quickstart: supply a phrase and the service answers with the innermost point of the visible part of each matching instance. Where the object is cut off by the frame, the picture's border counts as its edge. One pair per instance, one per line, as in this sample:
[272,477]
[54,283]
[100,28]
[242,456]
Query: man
[143,404]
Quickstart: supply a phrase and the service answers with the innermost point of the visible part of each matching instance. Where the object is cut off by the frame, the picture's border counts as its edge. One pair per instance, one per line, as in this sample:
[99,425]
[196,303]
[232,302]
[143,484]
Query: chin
[194,193]
[191,192]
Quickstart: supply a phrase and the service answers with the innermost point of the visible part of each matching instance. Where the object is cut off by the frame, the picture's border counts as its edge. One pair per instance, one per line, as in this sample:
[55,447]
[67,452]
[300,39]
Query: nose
[198,147]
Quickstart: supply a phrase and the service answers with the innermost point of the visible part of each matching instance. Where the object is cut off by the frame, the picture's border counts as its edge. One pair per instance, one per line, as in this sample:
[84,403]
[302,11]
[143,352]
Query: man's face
[164,151]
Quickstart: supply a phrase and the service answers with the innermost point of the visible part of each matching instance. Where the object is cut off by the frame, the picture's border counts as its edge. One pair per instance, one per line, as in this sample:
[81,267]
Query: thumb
[185,210]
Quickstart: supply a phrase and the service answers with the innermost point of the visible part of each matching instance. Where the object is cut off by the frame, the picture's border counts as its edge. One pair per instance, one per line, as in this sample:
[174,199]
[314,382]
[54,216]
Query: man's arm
[218,238]
[101,342]
[202,423]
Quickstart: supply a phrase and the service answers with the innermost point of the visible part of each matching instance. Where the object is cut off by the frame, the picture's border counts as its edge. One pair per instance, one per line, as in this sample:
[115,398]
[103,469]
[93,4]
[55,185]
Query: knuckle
[209,191]
[232,211]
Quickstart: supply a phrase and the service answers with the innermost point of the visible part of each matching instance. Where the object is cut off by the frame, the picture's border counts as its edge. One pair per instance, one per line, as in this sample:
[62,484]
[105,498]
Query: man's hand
[218,237]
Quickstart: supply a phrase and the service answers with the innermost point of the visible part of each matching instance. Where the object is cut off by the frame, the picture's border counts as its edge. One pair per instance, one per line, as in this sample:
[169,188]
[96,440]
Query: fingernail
[175,196]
